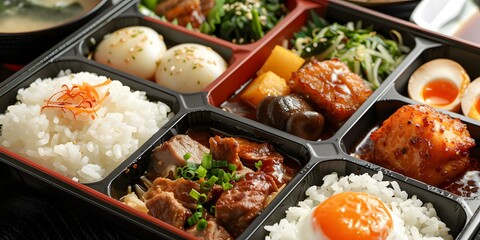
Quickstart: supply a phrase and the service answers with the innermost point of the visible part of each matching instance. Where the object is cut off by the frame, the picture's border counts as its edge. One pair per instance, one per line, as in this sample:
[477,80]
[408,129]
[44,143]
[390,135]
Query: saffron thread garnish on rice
[78,98]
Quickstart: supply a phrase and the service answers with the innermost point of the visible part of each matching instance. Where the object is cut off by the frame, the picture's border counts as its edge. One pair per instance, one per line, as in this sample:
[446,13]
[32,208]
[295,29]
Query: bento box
[268,138]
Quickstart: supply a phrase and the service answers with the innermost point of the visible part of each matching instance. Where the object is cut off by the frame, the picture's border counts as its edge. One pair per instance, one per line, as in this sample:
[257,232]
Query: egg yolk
[475,110]
[353,215]
[440,92]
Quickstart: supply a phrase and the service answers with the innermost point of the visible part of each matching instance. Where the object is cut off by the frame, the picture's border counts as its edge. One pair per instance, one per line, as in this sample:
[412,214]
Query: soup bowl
[21,46]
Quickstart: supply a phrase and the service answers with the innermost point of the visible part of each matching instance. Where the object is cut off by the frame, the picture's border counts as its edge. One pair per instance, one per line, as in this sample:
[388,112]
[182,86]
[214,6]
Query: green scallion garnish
[201,172]
[226,186]
[194,194]
[207,161]
[258,165]
[232,167]
[201,224]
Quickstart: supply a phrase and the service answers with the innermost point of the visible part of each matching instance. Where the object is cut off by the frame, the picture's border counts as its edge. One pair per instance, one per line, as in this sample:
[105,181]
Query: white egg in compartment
[135,50]
[439,83]
[189,67]
[470,100]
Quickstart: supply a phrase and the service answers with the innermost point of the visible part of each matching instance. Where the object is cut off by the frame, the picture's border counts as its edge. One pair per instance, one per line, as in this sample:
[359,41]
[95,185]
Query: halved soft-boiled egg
[471,100]
[439,83]
[348,215]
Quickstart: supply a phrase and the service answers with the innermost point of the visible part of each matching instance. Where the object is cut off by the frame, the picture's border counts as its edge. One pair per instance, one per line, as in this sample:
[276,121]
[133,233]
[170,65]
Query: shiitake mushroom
[307,125]
[262,108]
[291,113]
[281,108]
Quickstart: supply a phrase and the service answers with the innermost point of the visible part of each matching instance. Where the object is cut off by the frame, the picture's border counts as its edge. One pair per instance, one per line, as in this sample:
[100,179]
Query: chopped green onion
[199,208]
[207,161]
[218,164]
[187,156]
[188,174]
[201,172]
[227,177]
[194,219]
[237,177]
[232,167]
[219,174]
[194,194]
[226,186]
[178,172]
[202,198]
[258,165]
[208,184]
[201,224]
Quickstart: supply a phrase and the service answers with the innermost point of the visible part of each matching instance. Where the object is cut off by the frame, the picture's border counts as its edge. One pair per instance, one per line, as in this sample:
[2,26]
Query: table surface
[28,213]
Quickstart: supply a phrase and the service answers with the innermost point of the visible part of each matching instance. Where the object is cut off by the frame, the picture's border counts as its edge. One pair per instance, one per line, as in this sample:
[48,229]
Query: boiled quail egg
[135,50]
[471,100]
[439,83]
[349,215]
[189,67]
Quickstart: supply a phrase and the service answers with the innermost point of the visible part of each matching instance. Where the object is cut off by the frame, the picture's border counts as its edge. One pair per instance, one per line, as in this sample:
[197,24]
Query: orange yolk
[440,92]
[353,215]
[477,105]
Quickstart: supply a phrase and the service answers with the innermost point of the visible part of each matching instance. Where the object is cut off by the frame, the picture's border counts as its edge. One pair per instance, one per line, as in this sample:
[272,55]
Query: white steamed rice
[80,148]
[416,220]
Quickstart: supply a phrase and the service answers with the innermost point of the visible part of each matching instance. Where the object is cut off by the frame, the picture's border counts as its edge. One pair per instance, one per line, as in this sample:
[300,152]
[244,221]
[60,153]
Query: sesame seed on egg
[191,67]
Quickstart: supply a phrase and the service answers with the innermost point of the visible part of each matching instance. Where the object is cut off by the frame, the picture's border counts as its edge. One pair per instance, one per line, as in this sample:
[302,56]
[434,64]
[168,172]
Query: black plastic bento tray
[318,158]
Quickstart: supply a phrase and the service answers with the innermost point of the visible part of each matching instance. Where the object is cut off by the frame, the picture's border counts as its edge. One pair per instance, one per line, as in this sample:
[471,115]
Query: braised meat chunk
[180,188]
[213,231]
[335,91]
[219,190]
[273,164]
[225,149]
[422,143]
[165,207]
[237,207]
[168,156]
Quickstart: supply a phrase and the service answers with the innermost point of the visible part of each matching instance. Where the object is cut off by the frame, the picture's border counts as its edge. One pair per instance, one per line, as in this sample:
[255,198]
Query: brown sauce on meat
[232,201]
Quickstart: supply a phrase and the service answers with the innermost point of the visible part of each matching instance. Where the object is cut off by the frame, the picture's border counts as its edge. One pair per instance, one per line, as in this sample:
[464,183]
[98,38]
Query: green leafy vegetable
[366,52]
[243,21]
[150,4]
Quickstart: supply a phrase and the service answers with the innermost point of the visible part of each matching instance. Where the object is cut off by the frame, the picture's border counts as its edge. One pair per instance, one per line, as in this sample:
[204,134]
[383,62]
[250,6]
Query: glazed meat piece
[165,207]
[228,149]
[180,188]
[184,11]
[213,231]
[422,143]
[237,207]
[272,162]
[168,156]
[225,149]
[251,152]
[334,91]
